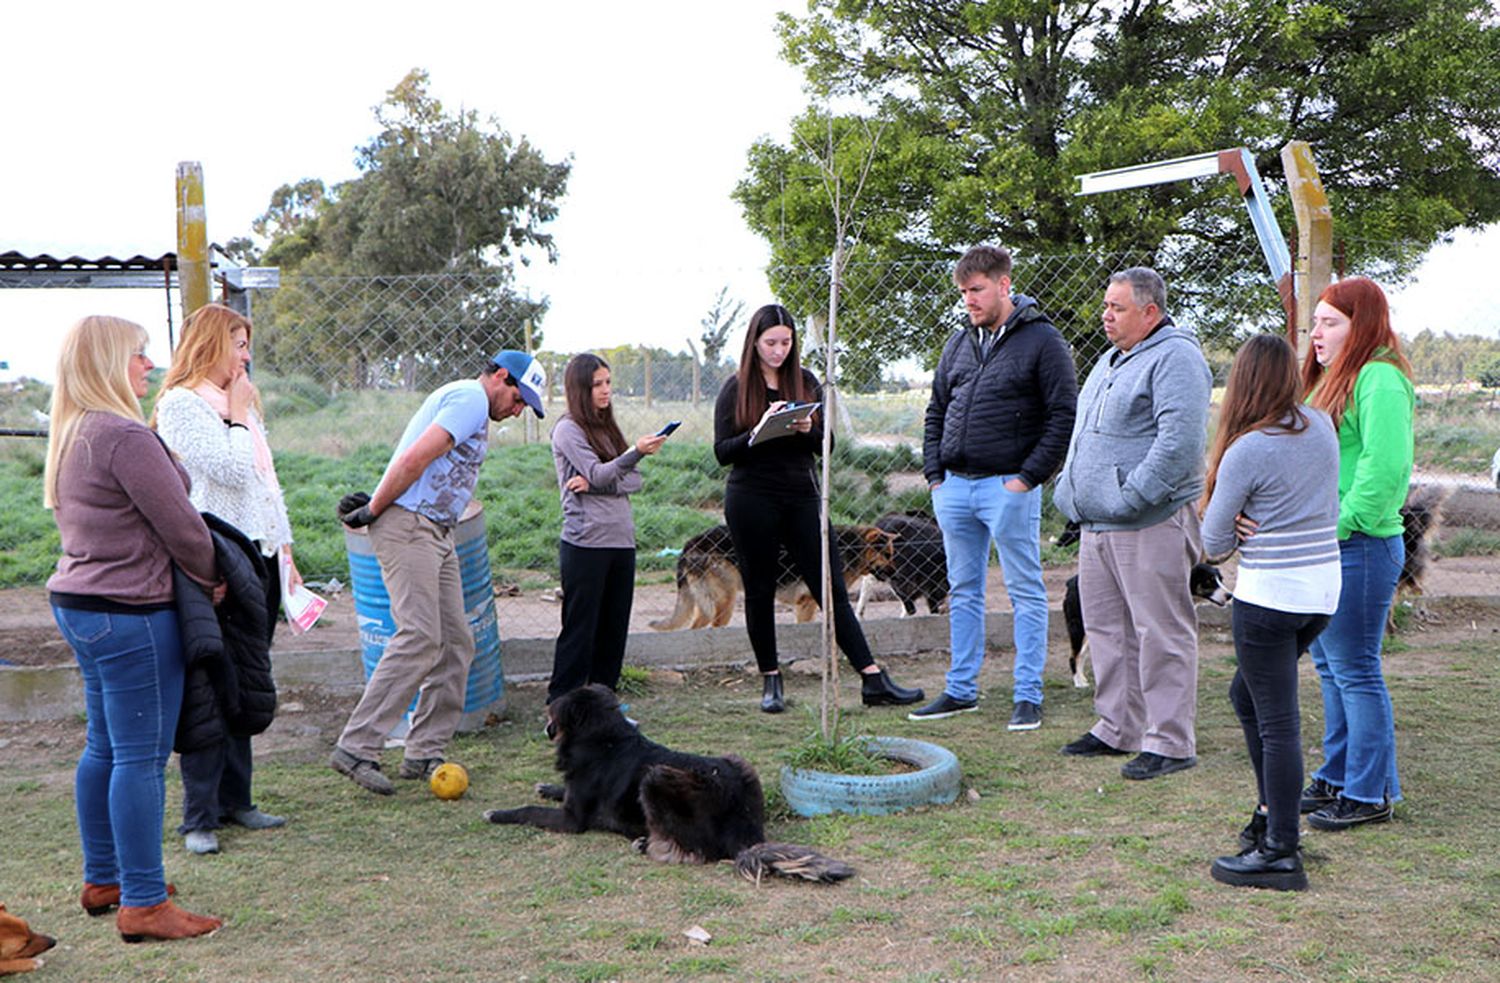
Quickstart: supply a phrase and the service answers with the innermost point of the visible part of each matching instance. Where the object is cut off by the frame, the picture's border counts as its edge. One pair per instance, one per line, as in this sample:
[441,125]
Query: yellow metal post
[193,272]
[1314,266]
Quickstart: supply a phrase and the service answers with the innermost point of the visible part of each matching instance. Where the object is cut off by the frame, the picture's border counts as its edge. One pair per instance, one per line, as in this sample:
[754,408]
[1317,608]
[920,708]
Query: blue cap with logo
[528,375]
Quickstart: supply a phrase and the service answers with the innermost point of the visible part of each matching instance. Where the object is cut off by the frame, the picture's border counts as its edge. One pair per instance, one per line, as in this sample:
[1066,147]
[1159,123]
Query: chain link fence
[343,362]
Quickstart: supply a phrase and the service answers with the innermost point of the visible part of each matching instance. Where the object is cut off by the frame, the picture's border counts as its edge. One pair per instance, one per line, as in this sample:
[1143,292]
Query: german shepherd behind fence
[708,581]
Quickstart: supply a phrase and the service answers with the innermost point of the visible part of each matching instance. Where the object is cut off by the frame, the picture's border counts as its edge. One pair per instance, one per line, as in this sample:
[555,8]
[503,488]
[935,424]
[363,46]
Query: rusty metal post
[1314,266]
[193,271]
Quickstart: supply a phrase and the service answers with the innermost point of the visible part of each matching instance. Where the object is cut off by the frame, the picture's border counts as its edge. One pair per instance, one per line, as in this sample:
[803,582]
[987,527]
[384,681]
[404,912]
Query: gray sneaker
[364,772]
[418,767]
[253,818]
[201,841]
[1026,716]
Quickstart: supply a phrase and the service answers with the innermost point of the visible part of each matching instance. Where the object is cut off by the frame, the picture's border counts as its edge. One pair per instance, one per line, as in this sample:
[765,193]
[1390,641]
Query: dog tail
[1421,516]
[790,860]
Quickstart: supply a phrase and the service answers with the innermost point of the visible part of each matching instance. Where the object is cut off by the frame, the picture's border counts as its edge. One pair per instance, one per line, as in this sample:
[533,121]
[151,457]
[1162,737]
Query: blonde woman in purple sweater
[122,509]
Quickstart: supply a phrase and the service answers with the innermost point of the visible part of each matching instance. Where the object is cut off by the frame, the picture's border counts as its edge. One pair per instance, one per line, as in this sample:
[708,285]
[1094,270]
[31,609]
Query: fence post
[1314,267]
[646,378]
[529,432]
[192,239]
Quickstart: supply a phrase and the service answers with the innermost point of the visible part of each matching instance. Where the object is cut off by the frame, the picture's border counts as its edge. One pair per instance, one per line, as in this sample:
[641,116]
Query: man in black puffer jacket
[1003,399]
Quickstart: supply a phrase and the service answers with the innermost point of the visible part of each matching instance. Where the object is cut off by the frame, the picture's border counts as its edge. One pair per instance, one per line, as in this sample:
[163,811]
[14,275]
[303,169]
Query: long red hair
[1370,339]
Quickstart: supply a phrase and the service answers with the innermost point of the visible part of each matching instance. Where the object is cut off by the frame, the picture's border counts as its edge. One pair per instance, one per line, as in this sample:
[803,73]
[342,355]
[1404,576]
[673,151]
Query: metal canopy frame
[1237,162]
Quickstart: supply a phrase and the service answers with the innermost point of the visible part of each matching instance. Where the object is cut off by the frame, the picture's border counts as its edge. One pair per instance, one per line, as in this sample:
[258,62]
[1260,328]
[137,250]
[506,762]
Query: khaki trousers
[433,646]
[1143,633]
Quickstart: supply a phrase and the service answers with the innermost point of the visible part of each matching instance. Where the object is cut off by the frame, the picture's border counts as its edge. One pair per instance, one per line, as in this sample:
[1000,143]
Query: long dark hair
[752,402]
[1263,393]
[599,426]
[1370,339]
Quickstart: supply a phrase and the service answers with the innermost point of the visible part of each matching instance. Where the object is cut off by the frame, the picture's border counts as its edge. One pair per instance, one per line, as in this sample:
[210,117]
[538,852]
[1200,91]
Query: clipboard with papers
[779,424]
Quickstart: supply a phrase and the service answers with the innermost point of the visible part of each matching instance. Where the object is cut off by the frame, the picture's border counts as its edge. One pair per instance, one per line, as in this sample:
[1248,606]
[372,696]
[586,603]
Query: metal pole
[192,238]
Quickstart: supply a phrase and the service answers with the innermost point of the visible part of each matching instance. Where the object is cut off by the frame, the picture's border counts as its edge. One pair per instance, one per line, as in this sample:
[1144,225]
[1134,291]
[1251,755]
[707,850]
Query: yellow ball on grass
[450,781]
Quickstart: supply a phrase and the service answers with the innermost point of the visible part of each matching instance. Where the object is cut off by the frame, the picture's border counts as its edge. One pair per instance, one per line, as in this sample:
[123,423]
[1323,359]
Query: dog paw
[639,844]
[497,815]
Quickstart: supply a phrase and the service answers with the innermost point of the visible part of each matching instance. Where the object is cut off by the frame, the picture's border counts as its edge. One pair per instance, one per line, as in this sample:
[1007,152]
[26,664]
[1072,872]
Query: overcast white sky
[656,101]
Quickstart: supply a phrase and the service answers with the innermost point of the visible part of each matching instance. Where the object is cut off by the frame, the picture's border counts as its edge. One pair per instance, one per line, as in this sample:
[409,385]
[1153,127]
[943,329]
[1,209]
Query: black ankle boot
[1253,833]
[771,700]
[877,690]
[1269,865]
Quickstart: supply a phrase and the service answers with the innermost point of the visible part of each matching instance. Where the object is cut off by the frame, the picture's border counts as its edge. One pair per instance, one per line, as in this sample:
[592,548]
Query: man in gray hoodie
[1131,479]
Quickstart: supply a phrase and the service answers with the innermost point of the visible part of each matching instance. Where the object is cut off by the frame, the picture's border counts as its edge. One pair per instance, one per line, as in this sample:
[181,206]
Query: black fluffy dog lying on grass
[679,808]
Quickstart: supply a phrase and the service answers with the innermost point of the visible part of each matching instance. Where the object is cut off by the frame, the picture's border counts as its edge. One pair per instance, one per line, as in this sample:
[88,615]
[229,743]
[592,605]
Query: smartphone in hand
[666,431]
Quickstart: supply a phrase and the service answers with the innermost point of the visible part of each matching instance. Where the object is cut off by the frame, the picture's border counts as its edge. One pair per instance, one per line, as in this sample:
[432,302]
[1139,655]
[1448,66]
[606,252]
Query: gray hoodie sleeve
[1232,487]
[1181,387]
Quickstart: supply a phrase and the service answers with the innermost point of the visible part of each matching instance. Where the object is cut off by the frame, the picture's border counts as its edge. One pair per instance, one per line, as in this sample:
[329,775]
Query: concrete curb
[40,693]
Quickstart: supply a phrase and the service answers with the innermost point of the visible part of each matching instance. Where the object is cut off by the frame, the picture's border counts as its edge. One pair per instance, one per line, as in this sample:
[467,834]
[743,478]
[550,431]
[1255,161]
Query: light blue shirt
[446,486]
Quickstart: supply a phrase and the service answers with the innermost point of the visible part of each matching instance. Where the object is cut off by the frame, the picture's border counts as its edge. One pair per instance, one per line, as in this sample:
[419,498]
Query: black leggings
[598,587]
[1267,644]
[760,525]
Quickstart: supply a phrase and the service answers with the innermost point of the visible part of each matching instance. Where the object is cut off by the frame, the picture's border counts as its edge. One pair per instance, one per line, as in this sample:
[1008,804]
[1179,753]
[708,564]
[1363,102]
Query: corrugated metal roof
[13,260]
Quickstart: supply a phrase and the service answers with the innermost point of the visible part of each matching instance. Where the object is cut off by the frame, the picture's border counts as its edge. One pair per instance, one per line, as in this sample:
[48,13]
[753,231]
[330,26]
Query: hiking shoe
[253,818]
[1346,813]
[1089,746]
[201,841]
[1149,764]
[364,772]
[1319,794]
[1026,716]
[943,706]
[418,767]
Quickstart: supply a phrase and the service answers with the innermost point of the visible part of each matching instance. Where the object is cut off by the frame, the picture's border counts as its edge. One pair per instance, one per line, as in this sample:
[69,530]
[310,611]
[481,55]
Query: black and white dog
[1203,581]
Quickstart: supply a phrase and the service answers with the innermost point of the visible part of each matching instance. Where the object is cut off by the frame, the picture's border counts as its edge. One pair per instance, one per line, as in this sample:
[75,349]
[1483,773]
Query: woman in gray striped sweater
[1272,493]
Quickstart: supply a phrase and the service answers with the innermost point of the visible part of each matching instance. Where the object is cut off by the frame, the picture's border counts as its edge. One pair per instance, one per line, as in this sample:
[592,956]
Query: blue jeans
[1359,731]
[132,684]
[973,512]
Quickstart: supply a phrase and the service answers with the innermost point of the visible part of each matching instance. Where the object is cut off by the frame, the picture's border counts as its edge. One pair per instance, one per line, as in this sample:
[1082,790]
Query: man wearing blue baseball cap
[411,519]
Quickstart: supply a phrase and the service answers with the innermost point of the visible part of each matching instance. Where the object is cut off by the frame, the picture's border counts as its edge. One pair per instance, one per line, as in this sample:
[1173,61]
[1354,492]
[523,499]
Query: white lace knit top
[221,461]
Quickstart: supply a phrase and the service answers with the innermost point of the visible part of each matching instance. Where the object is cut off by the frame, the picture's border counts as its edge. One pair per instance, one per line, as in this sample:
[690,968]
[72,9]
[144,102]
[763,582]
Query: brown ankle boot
[163,921]
[97,899]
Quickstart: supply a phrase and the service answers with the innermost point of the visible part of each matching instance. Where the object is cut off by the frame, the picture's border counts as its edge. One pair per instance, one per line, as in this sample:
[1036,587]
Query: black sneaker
[1149,764]
[1089,746]
[1319,794]
[943,706]
[1346,813]
[1026,716]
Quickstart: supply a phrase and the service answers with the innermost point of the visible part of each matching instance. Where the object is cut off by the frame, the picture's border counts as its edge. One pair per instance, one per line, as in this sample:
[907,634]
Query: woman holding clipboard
[771,501]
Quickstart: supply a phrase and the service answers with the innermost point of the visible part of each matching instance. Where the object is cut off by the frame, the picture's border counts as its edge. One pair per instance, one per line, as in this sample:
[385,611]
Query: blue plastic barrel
[485,692]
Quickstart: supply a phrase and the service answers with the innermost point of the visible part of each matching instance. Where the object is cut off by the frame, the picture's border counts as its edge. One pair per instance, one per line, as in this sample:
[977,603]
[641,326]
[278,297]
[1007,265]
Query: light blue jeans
[973,512]
[132,685]
[1359,730]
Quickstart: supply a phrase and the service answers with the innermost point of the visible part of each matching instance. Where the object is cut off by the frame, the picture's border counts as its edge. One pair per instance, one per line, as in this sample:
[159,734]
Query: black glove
[354,510]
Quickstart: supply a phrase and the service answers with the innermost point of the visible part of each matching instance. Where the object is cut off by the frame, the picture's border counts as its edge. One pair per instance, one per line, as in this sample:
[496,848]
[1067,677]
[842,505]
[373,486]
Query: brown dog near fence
[708,581]
[19,945]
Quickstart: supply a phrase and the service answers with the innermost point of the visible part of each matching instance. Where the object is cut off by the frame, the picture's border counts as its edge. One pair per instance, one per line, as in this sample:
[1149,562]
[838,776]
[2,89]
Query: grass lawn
[1046,868]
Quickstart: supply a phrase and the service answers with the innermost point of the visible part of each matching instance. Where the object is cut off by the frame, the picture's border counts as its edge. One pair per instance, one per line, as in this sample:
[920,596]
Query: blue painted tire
[935,782]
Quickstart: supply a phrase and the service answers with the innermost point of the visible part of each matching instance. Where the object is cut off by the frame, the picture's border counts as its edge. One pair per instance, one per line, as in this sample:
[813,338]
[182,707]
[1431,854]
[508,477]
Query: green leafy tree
[991,110]
[402,274]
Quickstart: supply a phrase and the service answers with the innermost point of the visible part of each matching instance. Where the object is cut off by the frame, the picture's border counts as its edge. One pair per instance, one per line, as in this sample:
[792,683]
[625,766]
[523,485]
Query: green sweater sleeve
[1375,452]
